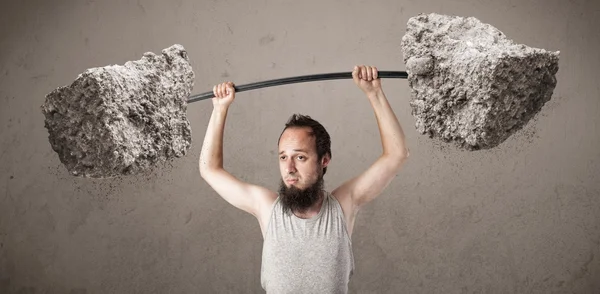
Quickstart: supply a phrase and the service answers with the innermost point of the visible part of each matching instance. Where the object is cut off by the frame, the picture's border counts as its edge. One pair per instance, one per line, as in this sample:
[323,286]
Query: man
[306,230]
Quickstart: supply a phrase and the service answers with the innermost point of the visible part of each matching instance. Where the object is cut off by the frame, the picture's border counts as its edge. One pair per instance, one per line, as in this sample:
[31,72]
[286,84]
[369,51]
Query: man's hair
[322,139]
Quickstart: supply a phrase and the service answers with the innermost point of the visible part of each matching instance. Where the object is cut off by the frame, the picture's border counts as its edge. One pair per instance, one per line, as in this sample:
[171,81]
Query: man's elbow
[404,155]
[205,171]
[202,168]
[399,158]
[208,173]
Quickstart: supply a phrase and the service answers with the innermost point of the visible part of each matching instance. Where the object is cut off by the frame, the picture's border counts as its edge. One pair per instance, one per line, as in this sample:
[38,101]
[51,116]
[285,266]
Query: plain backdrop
[520,218]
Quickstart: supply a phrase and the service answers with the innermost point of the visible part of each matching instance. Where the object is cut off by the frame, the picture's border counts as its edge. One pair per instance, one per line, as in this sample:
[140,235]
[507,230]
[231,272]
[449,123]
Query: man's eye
[300,157]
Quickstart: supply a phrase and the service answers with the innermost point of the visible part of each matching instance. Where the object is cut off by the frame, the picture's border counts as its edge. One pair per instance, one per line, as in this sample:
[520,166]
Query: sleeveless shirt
[307,255]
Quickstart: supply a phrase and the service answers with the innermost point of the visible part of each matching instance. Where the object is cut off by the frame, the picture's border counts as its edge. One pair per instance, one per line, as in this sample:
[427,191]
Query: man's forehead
[296,141]
[301,150]
[302,131]
[306,146]
[297,136]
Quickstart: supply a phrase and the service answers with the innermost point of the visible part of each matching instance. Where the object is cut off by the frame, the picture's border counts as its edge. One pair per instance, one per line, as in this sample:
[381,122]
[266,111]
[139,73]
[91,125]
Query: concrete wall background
[522,218]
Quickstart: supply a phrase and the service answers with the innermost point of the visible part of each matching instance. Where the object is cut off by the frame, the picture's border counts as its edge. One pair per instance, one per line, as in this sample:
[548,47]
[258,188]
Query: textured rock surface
[122,119]
[470,84]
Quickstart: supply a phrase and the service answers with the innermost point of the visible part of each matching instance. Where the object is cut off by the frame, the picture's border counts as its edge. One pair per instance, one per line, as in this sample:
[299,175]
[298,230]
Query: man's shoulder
[267,198]
[340,196]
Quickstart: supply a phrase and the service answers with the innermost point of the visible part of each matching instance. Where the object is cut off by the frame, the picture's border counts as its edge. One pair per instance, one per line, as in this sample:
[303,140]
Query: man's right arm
[245,196]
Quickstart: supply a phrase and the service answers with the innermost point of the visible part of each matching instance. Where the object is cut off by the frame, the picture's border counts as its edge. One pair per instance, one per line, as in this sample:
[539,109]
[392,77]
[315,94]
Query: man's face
[301,170]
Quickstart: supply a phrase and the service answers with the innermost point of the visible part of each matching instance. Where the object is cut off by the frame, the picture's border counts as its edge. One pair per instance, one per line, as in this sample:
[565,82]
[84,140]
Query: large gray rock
[122,119]
[470,84]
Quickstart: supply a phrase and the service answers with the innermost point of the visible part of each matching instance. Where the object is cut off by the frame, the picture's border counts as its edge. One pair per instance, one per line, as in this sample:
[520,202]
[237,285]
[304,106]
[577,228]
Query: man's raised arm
[245,196]
[368,185]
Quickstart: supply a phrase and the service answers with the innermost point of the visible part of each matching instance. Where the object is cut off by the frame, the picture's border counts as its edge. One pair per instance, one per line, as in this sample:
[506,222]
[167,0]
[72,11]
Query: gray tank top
[307,255]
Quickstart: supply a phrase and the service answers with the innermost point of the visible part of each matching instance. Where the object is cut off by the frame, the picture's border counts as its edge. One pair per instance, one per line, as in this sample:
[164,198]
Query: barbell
[470,85]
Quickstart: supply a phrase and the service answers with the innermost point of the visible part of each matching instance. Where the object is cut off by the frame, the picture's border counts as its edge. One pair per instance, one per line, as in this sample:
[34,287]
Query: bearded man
[307,231]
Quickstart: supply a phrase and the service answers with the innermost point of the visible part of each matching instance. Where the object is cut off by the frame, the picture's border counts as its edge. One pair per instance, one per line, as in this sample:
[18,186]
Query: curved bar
[298,79]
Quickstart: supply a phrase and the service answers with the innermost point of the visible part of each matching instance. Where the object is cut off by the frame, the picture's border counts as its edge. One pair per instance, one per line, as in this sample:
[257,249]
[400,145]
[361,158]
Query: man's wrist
[220,110]
[378,94]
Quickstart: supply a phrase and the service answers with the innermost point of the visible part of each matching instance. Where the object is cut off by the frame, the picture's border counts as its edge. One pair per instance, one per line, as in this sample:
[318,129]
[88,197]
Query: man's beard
[294,199]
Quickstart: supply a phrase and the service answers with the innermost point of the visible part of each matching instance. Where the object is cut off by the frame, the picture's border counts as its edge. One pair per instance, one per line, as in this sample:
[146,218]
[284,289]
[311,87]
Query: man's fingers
[365,72]
[223,89]
[355,73]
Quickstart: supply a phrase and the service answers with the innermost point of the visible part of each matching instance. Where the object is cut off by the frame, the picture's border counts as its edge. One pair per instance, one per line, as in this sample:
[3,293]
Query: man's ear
[325,160]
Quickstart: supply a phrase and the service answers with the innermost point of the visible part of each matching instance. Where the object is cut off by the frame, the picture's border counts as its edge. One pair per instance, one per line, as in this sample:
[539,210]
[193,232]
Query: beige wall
[521,218]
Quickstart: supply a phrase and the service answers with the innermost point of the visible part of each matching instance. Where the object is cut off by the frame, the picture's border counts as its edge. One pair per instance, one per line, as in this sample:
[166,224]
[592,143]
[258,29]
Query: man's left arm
[368,185]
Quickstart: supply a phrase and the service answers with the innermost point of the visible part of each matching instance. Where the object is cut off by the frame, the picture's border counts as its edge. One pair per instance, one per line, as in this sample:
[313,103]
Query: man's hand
[367,79]
[224,95]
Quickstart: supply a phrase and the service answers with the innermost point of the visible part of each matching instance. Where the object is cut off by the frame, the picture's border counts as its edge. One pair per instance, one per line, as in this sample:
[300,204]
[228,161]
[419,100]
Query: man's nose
[291,167]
